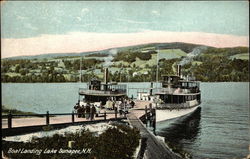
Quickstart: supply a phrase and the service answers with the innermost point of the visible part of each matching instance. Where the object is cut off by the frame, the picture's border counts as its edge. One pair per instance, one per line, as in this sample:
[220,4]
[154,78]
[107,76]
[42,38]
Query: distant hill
[186,47]
[50,55]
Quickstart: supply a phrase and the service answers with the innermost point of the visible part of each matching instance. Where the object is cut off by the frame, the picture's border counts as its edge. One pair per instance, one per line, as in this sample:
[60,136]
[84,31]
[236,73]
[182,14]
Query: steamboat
[177,97]
[101,94]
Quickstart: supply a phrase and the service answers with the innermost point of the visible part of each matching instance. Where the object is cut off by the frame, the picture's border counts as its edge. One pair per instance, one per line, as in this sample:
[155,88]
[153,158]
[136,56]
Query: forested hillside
[133,64]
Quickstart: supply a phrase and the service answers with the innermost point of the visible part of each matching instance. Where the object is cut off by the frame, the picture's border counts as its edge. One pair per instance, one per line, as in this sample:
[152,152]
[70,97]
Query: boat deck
[101,93]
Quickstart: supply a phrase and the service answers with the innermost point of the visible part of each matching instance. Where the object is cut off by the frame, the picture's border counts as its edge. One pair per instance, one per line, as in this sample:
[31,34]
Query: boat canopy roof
[110,84]
[106,94]
[188,81]
[177,94]
[169,75]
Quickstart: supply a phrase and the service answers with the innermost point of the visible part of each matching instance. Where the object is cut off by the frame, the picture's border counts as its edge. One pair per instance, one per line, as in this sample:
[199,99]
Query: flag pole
[157,71]
[80,69]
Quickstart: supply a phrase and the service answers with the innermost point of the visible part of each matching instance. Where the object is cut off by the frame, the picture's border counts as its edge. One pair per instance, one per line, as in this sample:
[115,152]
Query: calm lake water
[220,129]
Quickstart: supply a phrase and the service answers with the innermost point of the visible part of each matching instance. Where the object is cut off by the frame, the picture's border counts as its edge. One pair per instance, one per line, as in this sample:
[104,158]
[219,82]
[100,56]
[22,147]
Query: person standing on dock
[92,112]
[87,110]
[120,107]
[125,107]
[77,108]
[79,111]
[83,111]
[132,103]
[113,104]
[153,120]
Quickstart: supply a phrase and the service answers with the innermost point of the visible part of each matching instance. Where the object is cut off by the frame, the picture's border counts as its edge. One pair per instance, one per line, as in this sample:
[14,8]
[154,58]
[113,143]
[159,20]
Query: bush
[131,56]
[117,142]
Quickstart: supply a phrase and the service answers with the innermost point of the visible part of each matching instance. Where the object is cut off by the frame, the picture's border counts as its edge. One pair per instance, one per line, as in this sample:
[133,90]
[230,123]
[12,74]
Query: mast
[121,70]
[80,69]
[157,67]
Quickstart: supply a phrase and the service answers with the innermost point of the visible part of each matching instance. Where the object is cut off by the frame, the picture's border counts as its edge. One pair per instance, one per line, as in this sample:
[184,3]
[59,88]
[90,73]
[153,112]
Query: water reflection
[185,128]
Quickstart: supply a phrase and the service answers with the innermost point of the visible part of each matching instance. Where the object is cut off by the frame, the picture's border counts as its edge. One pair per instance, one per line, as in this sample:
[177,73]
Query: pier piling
[153,119]
[146,115]
[73,117]
[9,120]
[105,115]
[115,112]
[150,115]
[47,118]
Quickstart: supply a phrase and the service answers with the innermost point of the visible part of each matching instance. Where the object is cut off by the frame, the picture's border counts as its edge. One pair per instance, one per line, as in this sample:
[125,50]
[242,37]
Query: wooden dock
[153,148]
[33,120]
[21,124]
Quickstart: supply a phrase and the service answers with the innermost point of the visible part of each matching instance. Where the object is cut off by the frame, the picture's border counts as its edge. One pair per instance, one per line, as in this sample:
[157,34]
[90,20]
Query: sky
[39,27]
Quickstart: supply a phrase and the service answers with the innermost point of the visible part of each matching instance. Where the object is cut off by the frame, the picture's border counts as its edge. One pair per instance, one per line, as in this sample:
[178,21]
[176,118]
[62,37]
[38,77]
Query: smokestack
[106,72]
[179,70]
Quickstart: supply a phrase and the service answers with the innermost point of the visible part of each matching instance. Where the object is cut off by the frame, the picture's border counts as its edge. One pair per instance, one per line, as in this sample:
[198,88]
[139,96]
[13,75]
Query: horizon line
[83,42]
[114,48]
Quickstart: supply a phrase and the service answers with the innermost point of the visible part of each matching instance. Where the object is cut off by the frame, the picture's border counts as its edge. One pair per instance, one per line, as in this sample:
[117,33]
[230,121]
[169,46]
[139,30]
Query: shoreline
[6,110]
[118,82]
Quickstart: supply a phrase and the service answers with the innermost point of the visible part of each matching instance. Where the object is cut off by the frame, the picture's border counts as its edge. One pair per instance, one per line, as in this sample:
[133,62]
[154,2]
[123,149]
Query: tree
[17,68]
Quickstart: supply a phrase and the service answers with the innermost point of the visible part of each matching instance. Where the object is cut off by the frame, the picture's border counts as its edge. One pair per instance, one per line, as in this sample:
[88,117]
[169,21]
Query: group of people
[88,111]
[122,106]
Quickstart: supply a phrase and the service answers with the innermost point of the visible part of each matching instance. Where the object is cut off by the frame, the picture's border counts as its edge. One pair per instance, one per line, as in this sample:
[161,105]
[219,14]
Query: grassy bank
[6,111]
[117,142]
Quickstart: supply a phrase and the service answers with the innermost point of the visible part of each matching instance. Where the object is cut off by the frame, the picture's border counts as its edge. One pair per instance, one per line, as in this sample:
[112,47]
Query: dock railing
[48,116]
[87,91]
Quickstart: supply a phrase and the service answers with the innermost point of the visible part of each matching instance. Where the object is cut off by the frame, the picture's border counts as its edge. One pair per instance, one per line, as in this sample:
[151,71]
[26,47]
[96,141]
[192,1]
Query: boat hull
[167,114]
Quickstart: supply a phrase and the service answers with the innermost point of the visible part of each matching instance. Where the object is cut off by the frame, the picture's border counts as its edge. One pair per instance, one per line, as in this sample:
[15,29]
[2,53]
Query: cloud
[131,21]
[85,25]
[29,26]
[79,18]
[84,11]
[87,41]
[155,12]
[56,20]
[21,17]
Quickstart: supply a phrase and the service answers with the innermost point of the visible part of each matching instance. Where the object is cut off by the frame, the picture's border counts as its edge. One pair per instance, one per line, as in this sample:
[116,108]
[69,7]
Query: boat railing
[88,91]
[176,90]
[164,90]
[187,104]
